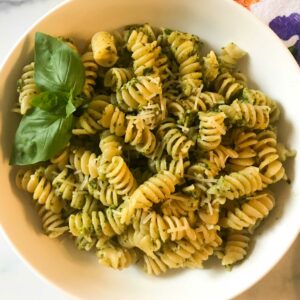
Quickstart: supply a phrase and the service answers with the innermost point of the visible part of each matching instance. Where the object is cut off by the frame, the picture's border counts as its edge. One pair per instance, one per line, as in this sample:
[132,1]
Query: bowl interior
[270,68]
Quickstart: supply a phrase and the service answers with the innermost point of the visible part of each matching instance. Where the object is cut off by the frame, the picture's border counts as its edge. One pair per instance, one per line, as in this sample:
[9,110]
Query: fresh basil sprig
[46,128]
[40,135]
[58,68]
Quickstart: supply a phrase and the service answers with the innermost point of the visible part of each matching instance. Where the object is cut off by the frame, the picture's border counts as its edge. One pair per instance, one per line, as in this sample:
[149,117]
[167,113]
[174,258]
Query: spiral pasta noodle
[27,88]
[184,47]
[62,158]
[144,57]
[138,92]
[179,204]
[230,55]
[53,224]
[257,207]
[244,143]
[238,184]
[120,177]
[85,161]
[235,248]
[269,164]
[104,49]
[91,69]
[115,78]
[177,167]
[257,97]
[154,190]
[140,136]
[114,120]
[104,192]
[228,86]
[34,182]
[87,123]
[249,115]
[176,143]
[96,223]
[116,257]
[164,227]
[64,184]
[139,239]
[211,130]
[184,109]
[211,67]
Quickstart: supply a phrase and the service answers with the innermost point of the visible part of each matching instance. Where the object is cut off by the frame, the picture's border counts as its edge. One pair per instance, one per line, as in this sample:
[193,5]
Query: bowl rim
[251,17]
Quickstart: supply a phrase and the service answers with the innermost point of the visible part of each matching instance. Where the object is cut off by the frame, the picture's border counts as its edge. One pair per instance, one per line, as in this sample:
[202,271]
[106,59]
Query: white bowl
[270,67]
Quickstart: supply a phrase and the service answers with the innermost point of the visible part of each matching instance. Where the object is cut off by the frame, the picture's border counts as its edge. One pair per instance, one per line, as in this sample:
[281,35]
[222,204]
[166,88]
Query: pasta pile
[170,160]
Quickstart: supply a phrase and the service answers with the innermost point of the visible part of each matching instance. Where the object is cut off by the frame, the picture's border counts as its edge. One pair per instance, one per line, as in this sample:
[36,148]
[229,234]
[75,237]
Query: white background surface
[18,282]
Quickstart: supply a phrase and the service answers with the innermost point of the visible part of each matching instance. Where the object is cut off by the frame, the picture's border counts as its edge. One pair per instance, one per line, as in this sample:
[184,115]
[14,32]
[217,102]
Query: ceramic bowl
[270,67]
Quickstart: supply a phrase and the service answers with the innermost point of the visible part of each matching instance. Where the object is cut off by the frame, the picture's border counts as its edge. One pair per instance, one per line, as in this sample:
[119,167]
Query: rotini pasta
[104,49]
[27,88]
[120,177]
[87,123]
[235,248]
[238,184]
[248,115]
[269,164]
[35,182]
[138,92]
[230,55]
[211,130]
[115,78]
[184,47]
[228,86]
[256,207]
[176,143]
[116,257]
[91,69]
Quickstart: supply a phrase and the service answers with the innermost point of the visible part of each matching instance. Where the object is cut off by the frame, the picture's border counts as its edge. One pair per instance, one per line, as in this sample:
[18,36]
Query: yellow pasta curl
[247,114]
[35,182]
[211,129]
[54,225]
[114,120]
[268,159]
[163,227]
[91,69]
[176,143]
[27,88]
[154,190]
[64,184]
[177,167]
[87,122]
[116,257]
[138,92]
[120,176]
[228,86]
[85,161]
[96,223]
[230,55]
[184,47]
[115,78]
[140,136]
[238,184]
[244,143]
[235,248]
[256,207]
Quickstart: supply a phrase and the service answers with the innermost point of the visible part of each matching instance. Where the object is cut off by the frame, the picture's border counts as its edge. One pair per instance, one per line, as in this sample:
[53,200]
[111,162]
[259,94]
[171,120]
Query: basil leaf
[50,101]
[58,67]
[40,136]
[70,108]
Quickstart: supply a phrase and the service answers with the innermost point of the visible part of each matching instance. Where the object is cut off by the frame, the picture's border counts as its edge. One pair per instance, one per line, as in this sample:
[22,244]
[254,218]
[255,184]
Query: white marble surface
[18,282]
